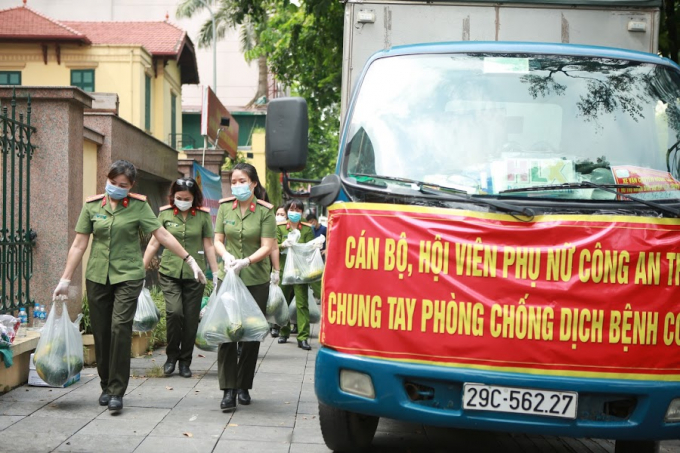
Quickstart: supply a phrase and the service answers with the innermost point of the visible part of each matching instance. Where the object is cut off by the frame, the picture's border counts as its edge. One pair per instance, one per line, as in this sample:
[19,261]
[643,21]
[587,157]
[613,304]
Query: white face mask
[280,218]
[183,205]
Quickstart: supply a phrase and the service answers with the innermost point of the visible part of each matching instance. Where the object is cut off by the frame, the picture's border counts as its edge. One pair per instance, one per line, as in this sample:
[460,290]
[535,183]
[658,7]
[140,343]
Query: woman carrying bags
[294,209]
[115,272]
[190,223]
[244,236]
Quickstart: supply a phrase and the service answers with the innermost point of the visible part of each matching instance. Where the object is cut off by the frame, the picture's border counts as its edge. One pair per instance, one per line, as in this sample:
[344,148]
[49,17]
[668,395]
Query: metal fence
[16,236]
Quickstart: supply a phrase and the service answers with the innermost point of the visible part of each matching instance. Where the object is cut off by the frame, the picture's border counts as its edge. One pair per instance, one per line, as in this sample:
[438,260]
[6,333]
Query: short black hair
[311,216]
[295,202]
[122,167]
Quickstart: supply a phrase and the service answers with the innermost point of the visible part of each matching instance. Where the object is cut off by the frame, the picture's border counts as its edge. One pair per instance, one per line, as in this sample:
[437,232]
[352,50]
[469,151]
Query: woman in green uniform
[294,209]
[115,272]
[244,236]
[190,223]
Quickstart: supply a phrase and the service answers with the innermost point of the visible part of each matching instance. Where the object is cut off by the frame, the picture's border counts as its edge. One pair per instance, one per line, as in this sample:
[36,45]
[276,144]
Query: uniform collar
[289,225]
[252,205]
[124,202]
[176,211]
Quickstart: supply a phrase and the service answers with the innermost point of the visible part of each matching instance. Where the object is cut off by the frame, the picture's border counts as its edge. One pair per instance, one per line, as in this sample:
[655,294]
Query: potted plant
[88,338]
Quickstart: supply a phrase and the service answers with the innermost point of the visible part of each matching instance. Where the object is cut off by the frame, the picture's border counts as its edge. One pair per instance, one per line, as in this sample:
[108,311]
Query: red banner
[569,295]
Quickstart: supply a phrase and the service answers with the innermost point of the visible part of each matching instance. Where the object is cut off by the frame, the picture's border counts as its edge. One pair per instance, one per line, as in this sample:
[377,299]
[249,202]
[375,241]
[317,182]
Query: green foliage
[229,163]
[159,334]
[303,49]
[85,322]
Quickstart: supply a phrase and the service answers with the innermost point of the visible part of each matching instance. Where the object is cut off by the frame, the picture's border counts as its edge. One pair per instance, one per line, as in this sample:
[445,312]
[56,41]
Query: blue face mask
[294,216]
[115,192]
[242,192]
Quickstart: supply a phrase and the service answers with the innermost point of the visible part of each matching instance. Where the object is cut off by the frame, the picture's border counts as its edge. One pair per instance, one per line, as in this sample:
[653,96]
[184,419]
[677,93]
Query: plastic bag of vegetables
[232,315]
[277,308]
[314,312]
[147,314]
[303,265]
[59,354]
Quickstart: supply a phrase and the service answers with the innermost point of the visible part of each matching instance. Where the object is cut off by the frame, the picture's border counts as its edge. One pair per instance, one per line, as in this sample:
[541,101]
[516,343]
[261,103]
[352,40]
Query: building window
[249,155]
[83,79]
[173,120]
[10,77]
[147,102]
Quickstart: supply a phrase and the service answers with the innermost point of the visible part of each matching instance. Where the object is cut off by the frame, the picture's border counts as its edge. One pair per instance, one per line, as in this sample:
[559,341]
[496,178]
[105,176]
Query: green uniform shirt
[282,230]
[242,236]
[115,253]
[189,233]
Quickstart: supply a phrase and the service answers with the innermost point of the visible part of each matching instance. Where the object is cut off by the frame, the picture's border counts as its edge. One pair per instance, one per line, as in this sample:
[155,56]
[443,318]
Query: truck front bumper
[607,408]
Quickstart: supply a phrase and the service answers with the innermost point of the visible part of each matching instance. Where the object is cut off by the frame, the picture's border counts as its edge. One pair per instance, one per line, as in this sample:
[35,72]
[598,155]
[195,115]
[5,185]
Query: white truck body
[376,25]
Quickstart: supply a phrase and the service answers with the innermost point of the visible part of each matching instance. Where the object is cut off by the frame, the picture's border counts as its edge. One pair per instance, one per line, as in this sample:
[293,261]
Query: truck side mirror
[286,134]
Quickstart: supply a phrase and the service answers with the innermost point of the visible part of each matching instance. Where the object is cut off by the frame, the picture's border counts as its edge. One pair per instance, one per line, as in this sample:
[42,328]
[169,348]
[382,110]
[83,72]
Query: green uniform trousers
[236,372]
[182,309]
[112,309]
[301,293]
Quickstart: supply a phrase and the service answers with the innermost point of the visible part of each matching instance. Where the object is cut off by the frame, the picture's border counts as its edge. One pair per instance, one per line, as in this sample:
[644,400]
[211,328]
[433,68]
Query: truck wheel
[636,446]
[346,431]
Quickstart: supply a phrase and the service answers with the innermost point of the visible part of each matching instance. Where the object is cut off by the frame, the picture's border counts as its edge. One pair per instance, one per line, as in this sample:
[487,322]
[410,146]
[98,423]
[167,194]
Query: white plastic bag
[314,312]
[147,315]
[304,264]
[232,315]
[59,354]
[277,308]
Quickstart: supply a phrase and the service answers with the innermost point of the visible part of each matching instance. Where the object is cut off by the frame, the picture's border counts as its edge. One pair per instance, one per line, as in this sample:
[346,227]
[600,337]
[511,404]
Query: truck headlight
[673,412]
[357,383]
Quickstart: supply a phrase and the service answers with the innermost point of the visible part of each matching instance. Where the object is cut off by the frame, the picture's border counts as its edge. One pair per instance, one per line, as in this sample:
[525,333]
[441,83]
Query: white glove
[228,259]
[240,264]
[61,289]
[275,278]
[287,243]
[215,279]
[198,273]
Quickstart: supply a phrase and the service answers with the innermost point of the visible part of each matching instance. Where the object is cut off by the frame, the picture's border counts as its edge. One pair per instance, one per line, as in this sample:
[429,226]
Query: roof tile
[24,23]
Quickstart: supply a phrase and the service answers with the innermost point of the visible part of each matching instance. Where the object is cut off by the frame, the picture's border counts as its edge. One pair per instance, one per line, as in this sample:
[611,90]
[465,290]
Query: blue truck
[508,130]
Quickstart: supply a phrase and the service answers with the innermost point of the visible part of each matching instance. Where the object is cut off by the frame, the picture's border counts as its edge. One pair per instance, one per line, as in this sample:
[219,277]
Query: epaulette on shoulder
[265,204]
[137,196]
[285,222]
[204,209]
[165,208]
[95,198]
[225,200]
[307,224]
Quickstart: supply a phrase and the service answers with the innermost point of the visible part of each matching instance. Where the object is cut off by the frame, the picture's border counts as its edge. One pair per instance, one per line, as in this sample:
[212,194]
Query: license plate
[481,397]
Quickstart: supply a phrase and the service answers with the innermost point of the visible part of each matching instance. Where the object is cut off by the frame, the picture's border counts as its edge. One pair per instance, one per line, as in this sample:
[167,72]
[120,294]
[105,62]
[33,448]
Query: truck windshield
[487,124]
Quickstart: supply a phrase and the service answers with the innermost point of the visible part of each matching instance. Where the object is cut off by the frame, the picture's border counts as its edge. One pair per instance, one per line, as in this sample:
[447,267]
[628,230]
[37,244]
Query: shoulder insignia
[95,198]
[265,204]
[226,200]
[307,224]
[204,209]
[285,222]
[137,196]
[165,208]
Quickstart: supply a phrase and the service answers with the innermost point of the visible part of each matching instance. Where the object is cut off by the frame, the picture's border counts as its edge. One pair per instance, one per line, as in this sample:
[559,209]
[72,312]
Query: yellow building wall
[89,184]
[258,159]
[117,69]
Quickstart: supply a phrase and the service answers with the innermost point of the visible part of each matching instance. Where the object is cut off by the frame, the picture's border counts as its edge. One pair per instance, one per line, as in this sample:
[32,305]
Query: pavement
[164,414]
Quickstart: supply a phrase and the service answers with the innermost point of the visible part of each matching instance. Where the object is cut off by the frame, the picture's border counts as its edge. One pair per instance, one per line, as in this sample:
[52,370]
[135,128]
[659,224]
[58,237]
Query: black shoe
[294,329]
[228,401]
[283,340]
[275,332]
[115,403]
[243,397]
[104,399]
[169,368]
[184,370]
[304,345]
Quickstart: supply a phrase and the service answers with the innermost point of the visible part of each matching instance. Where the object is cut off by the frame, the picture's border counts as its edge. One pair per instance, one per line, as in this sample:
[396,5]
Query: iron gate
[16,236]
